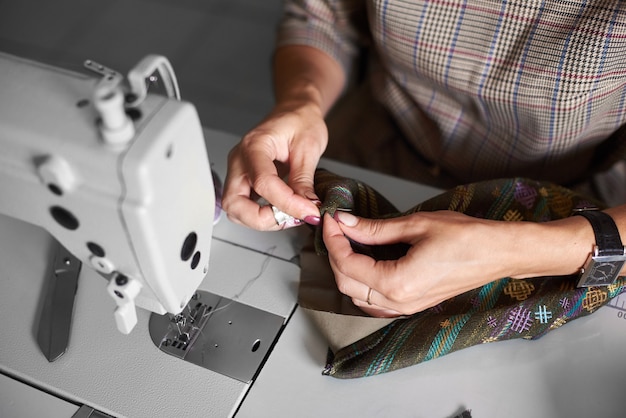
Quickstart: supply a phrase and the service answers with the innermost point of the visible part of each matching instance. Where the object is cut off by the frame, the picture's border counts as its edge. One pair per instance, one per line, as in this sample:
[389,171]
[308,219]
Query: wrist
[300,100]
[552,248]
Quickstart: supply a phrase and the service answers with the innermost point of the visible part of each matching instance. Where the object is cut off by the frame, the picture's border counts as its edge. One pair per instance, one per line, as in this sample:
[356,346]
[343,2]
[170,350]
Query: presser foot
[219,334]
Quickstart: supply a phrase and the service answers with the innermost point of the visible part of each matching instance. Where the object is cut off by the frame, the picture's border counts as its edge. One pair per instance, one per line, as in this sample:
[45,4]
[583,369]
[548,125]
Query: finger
[375,310]
[378,231]
[239,200]
[355,273]
[251,215]
[238,204]
[265,181]
[242,210]
[301,177]
[283,197]
[245,210]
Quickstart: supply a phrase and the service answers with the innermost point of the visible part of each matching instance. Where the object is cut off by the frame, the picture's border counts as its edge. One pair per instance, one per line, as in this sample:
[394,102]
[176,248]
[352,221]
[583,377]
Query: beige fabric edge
[342,330]
[333,313]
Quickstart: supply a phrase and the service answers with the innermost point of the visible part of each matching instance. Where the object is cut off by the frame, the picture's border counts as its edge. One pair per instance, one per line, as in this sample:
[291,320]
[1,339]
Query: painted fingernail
[312,220]
[346,218]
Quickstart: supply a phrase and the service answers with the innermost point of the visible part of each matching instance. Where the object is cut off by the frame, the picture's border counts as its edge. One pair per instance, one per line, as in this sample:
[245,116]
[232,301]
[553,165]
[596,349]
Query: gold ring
[369,296]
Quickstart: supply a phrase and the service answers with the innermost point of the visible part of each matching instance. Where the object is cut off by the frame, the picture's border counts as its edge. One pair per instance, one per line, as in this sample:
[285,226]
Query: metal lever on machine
[124,290]
[56,315]
[115,125]
[144,70]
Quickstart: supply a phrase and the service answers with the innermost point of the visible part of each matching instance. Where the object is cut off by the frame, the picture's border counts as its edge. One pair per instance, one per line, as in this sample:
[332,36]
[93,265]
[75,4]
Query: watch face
[601,273]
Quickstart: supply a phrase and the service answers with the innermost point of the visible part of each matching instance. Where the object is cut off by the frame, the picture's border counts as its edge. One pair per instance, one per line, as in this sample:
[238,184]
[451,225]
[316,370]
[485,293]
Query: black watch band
[607,259]
[606,232]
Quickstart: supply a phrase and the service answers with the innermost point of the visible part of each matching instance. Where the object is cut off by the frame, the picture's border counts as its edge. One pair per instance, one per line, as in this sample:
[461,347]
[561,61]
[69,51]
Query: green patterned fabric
[501,310]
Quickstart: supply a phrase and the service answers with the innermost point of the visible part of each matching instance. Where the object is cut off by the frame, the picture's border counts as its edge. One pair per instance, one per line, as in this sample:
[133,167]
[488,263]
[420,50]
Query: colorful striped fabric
[501,310]
[484,89]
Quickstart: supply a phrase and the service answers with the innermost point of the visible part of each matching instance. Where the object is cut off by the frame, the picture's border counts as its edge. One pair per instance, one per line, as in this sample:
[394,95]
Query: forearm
[306,76]
[554,248]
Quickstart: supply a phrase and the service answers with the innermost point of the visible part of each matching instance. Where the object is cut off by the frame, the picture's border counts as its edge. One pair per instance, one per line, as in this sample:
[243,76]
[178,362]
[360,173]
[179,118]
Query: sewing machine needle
[56,314]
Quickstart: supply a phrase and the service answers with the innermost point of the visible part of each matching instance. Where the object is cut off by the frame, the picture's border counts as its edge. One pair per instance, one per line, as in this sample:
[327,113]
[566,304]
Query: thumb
[301,176]
[374,231]
[301,183]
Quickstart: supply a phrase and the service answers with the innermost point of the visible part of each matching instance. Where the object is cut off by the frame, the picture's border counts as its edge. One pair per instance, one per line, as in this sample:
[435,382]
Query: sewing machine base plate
[219,334]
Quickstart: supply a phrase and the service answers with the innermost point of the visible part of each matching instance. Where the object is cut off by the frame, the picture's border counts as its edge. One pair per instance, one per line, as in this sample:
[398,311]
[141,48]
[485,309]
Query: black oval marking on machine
[64,217]
[96,249]
[195,260]
[189,246]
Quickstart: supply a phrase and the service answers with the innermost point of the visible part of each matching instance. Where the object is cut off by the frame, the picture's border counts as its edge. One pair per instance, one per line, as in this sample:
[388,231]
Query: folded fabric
[501,310]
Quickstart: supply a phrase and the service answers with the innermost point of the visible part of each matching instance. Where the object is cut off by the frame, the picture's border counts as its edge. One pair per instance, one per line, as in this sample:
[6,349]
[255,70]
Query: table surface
[576,371]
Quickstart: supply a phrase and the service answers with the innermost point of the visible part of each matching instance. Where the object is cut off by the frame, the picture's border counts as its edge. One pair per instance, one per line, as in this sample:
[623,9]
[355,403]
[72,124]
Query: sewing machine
[576,371]
[118,176]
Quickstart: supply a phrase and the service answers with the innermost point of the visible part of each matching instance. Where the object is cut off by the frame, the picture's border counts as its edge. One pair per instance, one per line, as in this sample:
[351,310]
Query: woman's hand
[291,138]
[450,253]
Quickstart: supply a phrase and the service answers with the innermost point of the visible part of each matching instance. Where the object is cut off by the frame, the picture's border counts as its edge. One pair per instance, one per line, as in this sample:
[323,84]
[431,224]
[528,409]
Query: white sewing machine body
[141,209]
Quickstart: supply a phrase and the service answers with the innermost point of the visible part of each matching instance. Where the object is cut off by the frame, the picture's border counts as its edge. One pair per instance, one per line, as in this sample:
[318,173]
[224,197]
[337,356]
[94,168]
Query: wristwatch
[604,264]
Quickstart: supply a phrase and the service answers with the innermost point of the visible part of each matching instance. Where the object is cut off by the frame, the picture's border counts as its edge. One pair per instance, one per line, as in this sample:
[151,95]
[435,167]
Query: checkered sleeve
[327,25]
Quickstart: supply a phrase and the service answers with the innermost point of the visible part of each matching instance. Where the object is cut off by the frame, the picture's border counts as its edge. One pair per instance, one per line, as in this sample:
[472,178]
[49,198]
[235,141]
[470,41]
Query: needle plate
[219,334]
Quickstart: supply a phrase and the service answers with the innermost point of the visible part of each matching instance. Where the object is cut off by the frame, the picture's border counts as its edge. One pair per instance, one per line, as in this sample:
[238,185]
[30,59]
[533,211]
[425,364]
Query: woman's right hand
[289,141]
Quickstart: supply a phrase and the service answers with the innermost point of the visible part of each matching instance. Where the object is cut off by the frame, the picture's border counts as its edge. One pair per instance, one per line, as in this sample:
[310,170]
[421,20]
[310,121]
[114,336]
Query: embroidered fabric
[501,310]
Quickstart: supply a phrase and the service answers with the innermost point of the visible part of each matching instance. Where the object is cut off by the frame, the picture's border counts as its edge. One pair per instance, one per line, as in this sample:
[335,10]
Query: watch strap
[605,230]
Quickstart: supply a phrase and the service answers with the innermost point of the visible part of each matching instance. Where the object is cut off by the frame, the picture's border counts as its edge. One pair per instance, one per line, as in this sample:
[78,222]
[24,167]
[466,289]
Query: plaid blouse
[485,88]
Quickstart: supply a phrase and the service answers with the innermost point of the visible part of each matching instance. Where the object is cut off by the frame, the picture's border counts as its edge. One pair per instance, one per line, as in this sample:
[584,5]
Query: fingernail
[346,218]
[311,196]
[312,220]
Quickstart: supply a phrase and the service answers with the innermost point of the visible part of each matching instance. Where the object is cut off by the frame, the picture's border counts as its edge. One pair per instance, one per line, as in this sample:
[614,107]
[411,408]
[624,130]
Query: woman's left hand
[450,253]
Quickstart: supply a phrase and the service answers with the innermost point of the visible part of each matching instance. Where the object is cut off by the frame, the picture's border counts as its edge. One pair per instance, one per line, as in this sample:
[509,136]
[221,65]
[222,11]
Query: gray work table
[576,371]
